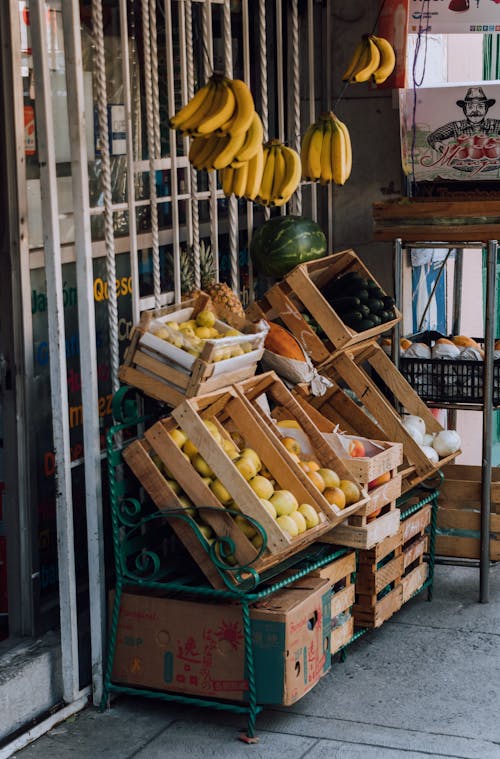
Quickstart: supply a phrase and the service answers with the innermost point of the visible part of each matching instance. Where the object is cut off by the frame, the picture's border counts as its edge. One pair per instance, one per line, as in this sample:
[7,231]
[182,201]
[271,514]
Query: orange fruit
[313,466]
[351,491]
[304,465]
[380,480]
[317,480]
[335,496]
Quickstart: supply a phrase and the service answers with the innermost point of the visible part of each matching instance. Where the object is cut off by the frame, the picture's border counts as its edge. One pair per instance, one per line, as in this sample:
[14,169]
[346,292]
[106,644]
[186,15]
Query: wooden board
[413,581]
[367,536]
[340,636]
[367,614]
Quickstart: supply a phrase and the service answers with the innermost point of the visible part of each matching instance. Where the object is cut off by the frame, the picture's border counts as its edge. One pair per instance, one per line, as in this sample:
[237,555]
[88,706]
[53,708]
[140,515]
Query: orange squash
[280,341]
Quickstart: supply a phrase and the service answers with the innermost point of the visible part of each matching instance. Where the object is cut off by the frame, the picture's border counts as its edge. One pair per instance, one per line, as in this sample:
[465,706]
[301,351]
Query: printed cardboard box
[197,648]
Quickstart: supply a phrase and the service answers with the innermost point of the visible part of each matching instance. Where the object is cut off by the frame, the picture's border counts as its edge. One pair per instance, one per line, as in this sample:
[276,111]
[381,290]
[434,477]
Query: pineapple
[226,302]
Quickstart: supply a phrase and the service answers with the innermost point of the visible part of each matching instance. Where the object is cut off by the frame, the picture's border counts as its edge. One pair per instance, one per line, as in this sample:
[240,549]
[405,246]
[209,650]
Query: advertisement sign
[451,133]
[454,16]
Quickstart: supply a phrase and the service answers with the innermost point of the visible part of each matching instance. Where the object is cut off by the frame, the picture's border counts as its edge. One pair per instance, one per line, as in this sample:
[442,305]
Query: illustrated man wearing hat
[475,107]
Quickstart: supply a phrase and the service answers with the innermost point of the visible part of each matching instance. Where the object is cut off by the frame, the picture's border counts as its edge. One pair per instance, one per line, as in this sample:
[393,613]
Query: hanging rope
[109,239]
[232,201]
[148,83]
[263,77]
[195,211]
[296,203]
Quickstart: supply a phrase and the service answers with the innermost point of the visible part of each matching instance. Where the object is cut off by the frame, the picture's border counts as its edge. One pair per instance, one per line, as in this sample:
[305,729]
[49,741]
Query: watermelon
[284,242]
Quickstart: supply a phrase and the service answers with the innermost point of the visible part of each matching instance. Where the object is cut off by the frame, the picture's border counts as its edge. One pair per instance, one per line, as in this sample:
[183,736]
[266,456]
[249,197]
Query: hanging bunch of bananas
[326,153]
[222,121]
[243,178]
[373,57]
[280,175]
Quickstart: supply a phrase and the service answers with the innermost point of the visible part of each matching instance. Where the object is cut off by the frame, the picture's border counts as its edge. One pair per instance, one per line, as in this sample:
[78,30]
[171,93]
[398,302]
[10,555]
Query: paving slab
[335,750]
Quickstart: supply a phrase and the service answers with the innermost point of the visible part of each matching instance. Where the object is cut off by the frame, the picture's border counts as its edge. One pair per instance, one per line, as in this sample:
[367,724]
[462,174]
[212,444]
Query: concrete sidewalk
[426,684]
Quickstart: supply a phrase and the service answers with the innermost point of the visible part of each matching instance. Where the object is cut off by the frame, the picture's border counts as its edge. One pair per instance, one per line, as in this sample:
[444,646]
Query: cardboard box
[197,648]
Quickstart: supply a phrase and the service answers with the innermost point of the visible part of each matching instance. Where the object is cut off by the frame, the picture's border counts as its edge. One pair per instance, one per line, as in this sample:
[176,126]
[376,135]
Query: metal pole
[57,353]
[87,336]
[489,345]
[457,290]
[398,295]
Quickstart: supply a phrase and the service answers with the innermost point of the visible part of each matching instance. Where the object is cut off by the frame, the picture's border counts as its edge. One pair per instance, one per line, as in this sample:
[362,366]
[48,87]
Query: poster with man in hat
[439,145]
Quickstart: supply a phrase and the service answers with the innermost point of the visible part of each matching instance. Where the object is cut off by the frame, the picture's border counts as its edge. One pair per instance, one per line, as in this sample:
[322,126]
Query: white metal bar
[57,353]
[279,71]
[311,56]
[87,332]
[194,209]
[296,202]
[208,67]
[173,150]
[232,201]
[182,13]
[263,77]
[102,112]
[245,22]
[127,102]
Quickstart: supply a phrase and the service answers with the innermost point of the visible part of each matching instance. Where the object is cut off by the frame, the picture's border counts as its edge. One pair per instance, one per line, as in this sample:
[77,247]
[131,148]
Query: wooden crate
[378,417]
[415,543]
[299,294]
[283,404]
[459,513]
[340,575]
[379,590]
[366,533]
[170,374]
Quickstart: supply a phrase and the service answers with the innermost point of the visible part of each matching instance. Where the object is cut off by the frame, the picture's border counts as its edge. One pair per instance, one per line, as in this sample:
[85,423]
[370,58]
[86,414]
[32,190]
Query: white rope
[195,211]
[296,202]
[146,30]
[109,240]
[154,77]
[212,181]
[263,77]
[233,203]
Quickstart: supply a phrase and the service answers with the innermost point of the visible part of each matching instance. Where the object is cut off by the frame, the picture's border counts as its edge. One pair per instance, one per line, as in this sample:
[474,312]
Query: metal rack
[486,407]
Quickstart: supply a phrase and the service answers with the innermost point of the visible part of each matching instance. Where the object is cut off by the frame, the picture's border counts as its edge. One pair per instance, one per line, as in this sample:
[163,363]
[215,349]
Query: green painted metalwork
[137,528]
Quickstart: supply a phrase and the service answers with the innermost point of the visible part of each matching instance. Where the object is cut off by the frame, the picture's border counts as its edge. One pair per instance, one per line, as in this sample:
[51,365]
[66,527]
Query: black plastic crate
[448,380]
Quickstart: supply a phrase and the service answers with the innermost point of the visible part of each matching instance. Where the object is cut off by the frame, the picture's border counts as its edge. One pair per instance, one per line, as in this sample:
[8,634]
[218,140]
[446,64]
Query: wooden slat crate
[459,513]
[366,533]
[299,294]
[355,369]
[283,404]
[414,545]
[379,591]
[340,576]
[170,374]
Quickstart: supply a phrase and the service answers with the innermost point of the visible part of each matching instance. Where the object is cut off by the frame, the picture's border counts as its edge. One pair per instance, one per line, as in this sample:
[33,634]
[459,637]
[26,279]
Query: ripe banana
[244,108]
[229,150]
[227,176]
[253,139]
[347,147]
[340,158]
[266,185]
[304,151]
[279,172]
[240,177]
[190,125]
[293,171]
[254,177]
[187,111]
[314,153]
[326,173]
[387,59]
[222,109]
[206,156]
[196,148]
[364,62]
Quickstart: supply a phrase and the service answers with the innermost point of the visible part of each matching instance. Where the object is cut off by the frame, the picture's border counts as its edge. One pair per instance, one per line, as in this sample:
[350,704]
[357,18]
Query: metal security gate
[136,208]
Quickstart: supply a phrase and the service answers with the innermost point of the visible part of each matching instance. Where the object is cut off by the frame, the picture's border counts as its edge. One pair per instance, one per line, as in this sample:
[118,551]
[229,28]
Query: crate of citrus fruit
[187,349]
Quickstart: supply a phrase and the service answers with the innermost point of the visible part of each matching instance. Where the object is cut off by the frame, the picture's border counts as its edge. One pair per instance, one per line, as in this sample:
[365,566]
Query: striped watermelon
[285,241]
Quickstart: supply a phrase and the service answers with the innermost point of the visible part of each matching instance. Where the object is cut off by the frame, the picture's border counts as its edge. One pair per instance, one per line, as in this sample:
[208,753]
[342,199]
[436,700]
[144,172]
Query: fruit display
[326,152]
[373,58]
[283,242]
[359,301]
[435,445]
[280,175]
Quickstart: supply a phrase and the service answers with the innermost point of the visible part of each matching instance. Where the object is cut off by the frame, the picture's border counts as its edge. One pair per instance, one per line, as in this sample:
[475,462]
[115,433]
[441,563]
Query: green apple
[268,507]
[250,453]
[262,486]
[288,525]
[245,526]
[221,492]
[201,465]
[178,436]
[330,477]
[299,520]
[246,467]
[284,502]
[310,515]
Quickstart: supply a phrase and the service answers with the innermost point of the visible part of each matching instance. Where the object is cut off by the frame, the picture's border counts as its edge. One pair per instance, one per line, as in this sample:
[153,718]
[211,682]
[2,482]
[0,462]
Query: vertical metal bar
[279,71]
[153,202]
[311,58]
[87,332]
[173,150]
[127,102]
[296,202]
[329,46]
[57,354]
[232,201]
[457,291]
[192,173]
[398,295]
[489,345]
[102,112]
[245,23]
[263,77]
[208,67]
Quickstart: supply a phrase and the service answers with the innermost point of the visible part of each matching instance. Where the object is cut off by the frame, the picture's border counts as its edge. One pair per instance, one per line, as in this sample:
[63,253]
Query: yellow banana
[253,139]
[198,144]
[266,185]
[339,155]
[314,152]
[279,172]
[348,147]
[227,176]
[360,56]
[207,155]
[240,180]
[363,73]
[293,171]
[304,151]
[223,107]
[190,125]
[387,59]
[254,176]
[228,152]
[191,107]
[241,118]
[326,174]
